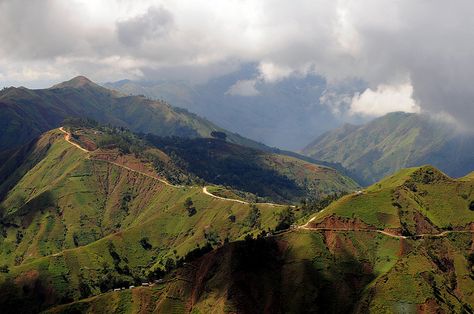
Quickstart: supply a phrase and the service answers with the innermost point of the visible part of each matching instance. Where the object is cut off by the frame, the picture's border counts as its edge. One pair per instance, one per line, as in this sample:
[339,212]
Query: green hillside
[412,201]
[271,176]
[339,262]
[76,223]
[85,210]
[395,141]
[28,113]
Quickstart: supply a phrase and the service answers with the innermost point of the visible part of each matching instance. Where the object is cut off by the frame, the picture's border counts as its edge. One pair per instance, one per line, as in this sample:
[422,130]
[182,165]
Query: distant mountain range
[287,113]
[394,141]
[27,113]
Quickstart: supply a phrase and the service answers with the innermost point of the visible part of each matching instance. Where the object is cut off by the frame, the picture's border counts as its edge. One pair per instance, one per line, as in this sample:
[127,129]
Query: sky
[414,56]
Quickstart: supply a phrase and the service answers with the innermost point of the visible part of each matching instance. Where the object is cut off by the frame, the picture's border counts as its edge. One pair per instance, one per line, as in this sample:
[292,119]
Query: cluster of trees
[285,219]
[313,205]
[188,204]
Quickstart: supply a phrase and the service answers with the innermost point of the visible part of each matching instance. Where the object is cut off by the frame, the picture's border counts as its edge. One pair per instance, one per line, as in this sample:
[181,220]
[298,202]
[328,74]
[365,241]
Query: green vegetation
[413,201]
[78,224]
[310,271]
[268,176]
[395,141]
[23,115]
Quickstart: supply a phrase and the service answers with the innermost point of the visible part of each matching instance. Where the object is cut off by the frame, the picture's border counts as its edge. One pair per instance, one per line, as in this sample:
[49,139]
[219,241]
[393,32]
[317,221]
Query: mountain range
[28,113]
[123,204]
[395,141]
[286,113]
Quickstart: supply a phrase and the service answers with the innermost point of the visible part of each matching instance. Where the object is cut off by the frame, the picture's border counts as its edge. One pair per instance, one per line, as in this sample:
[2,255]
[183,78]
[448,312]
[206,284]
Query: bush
[253,218]
[4,269]
[145,243]
[285,219]
[471,206]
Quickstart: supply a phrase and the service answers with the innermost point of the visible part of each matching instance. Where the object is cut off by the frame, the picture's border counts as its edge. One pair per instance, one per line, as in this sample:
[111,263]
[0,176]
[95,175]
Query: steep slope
[272,176]
[395,141]
[413,201]
[351,258]
[28,113]
[75,223]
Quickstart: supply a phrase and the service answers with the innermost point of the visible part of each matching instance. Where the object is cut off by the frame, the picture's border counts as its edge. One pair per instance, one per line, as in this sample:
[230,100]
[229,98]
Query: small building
[131,287]
[145,284]
[117,289]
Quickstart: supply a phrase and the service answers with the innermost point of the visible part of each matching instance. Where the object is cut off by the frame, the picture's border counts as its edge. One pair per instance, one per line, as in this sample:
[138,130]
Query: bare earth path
[306,226]
[67,137]
[417,236]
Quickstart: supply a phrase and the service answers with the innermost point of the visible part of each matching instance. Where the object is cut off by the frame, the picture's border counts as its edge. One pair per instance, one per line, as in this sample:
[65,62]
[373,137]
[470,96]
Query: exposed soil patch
[335,222]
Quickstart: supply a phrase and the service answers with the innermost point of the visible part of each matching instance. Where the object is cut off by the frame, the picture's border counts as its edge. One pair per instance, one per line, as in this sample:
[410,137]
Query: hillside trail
[67,137]
[416,236]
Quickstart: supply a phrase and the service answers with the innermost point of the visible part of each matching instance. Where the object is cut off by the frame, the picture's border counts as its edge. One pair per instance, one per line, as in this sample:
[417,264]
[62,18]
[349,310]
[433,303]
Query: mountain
[403,245]
[273,176]
[75,223]
[87,208]
[394,141]
[28,113]
[285,113]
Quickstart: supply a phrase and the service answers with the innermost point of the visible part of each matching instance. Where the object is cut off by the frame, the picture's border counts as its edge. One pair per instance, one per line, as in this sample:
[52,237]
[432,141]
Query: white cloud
[271,72]
[385,99]
[243,88]
[379,42]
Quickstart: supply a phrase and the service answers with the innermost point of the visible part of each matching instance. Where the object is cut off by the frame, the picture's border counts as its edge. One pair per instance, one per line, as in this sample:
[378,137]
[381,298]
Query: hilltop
[420,200]
[28,113]
[365,253]
[395,141]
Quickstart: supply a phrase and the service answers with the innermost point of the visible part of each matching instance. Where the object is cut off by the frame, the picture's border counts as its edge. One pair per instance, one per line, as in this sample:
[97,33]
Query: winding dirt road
[417,236]
[67,137]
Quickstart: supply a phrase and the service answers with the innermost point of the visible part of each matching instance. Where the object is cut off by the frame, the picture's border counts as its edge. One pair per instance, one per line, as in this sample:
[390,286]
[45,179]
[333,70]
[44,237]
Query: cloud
[379,42]
[243,88]
[385,99]
[152,25]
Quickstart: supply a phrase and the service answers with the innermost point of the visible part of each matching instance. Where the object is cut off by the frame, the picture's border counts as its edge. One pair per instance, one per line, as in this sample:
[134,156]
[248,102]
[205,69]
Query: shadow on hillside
[18,164]
[260,279]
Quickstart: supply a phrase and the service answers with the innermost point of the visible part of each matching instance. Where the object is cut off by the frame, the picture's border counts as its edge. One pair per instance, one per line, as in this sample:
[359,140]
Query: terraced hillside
[402,246]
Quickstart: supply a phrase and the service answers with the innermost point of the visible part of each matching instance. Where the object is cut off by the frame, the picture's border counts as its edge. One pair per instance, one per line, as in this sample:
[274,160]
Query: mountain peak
[77,82]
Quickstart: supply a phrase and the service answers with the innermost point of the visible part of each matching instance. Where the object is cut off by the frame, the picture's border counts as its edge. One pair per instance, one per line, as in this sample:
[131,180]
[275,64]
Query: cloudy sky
[413,55]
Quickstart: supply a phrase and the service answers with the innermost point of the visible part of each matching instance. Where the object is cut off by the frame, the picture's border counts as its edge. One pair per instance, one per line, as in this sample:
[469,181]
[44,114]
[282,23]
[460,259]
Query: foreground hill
[75,223]
[27,113]
[402,246]
[395,141]
[85,210]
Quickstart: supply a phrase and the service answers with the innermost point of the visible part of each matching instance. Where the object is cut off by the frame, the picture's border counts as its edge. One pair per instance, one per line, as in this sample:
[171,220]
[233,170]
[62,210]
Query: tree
[285,219]
[188,203]
[253,218]
[219,135]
